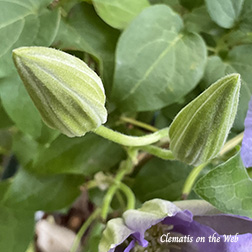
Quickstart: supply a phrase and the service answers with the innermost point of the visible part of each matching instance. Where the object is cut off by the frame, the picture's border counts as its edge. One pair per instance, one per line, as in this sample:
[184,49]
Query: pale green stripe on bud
[68,94]
[199,131]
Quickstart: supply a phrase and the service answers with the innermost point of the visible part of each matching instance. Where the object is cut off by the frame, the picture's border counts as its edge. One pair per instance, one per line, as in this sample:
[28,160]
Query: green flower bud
[200,129]
[68,94]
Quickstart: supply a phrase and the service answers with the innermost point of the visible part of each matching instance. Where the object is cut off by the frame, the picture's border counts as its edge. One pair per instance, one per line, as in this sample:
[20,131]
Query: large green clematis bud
[200,129]
[68,94]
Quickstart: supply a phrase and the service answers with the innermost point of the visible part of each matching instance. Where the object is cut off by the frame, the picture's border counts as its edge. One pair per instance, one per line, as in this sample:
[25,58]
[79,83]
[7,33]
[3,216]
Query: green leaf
[25,22]
[228,187]
[200,129]
[198,20]
[189,4]
[225,12]
[95,38]
[5,121]
[174,4]
[86,156]
[166,183]
[16,229]
[32,192]
[245,17]
[150,75]
[119,14]
[25,148]
[5,142]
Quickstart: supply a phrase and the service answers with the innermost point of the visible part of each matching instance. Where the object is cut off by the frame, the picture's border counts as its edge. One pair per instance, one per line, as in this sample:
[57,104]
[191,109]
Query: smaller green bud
[200,129]
[68,94]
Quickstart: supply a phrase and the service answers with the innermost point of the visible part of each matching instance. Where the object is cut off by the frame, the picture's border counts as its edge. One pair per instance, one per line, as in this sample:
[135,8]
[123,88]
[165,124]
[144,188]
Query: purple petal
[130,246]
[140,239]
[226,223]
[244,244]
[196,229]
[246,149]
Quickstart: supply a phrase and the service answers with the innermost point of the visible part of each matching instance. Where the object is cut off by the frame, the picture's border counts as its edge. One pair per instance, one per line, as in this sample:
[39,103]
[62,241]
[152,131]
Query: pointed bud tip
[18,51]
[237,77]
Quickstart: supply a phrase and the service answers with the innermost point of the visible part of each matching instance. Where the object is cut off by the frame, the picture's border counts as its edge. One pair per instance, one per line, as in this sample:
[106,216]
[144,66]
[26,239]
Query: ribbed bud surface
[68,94]
[200,129]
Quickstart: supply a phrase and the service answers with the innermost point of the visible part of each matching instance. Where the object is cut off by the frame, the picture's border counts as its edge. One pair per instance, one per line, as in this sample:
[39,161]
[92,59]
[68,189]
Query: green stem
[158,152]
[125,167]
[84,228]
[139,124]
[231,143]
[191,179]
[122,139]
[129,195]
[211,49]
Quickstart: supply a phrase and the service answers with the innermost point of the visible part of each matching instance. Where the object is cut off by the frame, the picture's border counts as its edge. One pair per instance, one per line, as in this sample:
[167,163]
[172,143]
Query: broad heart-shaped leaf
[25,22]
[16,229]
[85,156]
[225,12]
[156,63]
[160,179]
[200,129]
[237,61]
[95,38]
[119,14]
[30,191]
[228,187]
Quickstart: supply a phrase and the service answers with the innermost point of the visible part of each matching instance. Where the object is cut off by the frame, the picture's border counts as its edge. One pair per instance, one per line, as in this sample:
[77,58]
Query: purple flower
[246,149]
[160,226]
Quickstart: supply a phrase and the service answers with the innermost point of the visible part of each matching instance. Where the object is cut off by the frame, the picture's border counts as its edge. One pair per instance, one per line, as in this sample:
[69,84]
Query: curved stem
[84,228]
[107,200]
[123,170]
[191,179]
[139,124]
[129,195]
[158,152]
[126,140]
